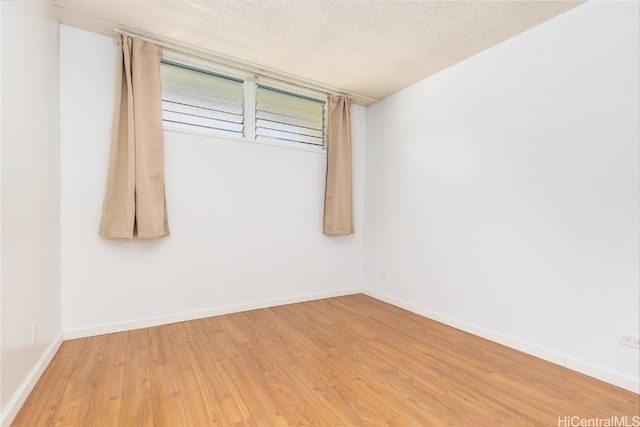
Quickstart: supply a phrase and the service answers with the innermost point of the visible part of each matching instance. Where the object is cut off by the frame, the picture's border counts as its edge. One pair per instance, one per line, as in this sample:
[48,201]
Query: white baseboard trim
[198,314]
[603,374]
[20,396]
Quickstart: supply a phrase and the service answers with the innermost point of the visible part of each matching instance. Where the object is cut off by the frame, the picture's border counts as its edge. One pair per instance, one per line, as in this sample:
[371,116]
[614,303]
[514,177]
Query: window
[198,100]
[289,117]
[194,99]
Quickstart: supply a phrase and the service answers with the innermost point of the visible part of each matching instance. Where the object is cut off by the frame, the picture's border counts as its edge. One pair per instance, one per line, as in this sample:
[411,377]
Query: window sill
[269,143]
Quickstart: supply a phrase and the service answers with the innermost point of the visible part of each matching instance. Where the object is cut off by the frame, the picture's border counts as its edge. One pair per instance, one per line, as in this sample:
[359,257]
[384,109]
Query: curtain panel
[338,202]
[134,202]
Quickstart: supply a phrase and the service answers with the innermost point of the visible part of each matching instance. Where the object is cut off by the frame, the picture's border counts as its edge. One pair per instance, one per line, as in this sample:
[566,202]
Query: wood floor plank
[181,350]
[301,405]
[90,358]
[211,375]
[136,403]
[221,345]
[403,420]
[478,409]
[249,422]
[210,325]
[107,394]
[235,330]
[233,407]
[74,405]
[203,364]
[250,379]
[348,377]
[350,361]
[404,392]
[300,354]
[167,402]
[159,346]
[42,403]
[70,348]
[108,420]
[282,381]
[194,327]
[138,338]
[359,409]
[200,408]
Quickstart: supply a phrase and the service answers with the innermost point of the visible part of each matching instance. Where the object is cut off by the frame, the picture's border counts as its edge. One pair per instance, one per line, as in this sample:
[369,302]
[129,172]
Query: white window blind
[196,99]
[289,117]
[214,104]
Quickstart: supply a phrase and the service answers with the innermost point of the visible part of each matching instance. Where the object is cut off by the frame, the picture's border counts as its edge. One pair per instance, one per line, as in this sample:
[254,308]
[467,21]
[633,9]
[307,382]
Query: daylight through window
[210,103]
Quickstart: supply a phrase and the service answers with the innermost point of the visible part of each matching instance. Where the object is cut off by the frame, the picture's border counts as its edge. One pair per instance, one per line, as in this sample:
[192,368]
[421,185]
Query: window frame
[250,85]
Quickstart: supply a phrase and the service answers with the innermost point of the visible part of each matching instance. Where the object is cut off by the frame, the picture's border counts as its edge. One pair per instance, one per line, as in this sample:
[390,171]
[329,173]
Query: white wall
[502,193]
[246,219]
[1,404]
[30,190]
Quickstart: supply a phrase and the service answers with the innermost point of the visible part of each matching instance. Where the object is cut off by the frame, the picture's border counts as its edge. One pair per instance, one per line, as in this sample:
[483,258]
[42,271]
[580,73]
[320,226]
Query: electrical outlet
[35,329]
[629,340]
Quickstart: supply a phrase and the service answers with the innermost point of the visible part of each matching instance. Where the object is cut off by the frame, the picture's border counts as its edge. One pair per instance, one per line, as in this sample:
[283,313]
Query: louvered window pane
[195,99]
[287,117]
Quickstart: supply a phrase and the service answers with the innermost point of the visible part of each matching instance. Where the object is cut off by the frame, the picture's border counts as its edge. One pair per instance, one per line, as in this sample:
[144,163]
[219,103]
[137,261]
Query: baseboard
[198,314]
[608,376]
[20,396]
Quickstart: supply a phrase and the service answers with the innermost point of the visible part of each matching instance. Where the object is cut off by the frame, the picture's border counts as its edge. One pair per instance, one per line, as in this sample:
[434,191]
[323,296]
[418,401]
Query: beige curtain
[134,202]
[338,199]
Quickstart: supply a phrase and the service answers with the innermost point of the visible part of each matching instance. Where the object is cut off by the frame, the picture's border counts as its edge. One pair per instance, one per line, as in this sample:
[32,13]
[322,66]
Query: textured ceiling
[370,49]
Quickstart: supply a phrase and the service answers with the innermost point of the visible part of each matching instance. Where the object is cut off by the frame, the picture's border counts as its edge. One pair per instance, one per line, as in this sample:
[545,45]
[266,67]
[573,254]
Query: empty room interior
[261,213]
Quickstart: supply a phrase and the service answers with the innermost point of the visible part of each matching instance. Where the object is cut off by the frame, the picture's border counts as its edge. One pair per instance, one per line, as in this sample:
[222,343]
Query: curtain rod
[273,75]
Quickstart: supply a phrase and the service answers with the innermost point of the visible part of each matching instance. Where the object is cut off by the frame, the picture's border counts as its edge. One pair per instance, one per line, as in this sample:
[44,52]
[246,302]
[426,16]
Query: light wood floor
[341,361]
